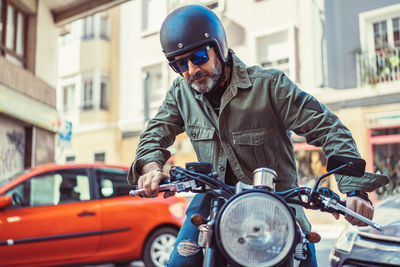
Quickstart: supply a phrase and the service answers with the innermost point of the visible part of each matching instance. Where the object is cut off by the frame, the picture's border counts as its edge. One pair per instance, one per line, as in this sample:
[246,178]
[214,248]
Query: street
[323,249]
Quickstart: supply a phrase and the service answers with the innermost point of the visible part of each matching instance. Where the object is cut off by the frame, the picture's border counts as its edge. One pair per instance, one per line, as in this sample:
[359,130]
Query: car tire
[159,246]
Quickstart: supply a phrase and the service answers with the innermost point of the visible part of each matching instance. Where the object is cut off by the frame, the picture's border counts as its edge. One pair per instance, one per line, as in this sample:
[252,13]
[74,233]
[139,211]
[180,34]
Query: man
[237,117]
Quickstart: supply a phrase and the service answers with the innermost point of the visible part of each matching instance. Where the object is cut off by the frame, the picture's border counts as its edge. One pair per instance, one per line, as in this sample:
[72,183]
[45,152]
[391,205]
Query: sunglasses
[198,58]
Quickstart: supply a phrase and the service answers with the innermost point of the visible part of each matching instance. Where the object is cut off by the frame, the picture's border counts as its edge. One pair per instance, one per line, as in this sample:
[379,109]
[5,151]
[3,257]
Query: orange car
[81,213]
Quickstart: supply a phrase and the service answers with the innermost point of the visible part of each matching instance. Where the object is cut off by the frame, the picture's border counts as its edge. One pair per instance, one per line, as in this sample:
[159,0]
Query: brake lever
[173,187]
[340,207]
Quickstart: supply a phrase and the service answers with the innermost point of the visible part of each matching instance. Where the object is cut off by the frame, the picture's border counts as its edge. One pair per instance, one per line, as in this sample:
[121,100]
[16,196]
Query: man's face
[204,77]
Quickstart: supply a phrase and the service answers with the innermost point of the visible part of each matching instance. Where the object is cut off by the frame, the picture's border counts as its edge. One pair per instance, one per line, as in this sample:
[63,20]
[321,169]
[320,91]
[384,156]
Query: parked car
[365,246]
[82,213]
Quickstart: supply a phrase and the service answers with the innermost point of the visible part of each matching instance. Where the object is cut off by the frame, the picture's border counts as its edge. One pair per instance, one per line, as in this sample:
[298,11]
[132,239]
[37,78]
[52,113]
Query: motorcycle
[252,225]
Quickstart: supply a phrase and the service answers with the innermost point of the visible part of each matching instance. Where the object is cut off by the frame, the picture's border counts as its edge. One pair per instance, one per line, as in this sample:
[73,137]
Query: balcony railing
[380,67]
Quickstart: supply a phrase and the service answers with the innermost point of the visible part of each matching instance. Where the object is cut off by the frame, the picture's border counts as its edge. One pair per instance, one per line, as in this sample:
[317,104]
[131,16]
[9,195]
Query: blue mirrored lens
[198,58]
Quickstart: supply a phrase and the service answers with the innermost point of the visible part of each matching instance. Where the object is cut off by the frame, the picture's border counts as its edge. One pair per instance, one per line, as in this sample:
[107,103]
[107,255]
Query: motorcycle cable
[206,179]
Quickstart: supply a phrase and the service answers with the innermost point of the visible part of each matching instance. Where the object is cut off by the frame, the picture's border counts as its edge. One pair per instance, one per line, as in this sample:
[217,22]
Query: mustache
[198,75]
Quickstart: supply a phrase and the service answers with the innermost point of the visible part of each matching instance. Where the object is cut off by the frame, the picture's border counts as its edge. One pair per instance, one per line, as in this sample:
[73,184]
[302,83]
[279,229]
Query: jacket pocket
[202,139]
[256,147]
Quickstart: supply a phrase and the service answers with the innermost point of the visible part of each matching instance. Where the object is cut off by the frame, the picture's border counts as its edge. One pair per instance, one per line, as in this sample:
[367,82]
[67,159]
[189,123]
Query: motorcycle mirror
[200,167]
[357,169]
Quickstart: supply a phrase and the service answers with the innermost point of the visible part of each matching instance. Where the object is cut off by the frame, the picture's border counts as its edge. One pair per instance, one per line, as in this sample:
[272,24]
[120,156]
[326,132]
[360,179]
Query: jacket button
[222,168]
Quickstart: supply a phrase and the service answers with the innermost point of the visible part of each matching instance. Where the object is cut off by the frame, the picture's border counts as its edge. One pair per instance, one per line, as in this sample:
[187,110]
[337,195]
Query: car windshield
[8,179]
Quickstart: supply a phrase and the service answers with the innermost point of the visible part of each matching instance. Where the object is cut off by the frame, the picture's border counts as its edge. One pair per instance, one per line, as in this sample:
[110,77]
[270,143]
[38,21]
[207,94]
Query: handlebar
[164,187]
[322,199]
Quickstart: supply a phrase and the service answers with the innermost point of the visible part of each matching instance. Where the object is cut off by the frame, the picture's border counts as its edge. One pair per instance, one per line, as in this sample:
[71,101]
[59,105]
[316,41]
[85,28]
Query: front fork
[212,256]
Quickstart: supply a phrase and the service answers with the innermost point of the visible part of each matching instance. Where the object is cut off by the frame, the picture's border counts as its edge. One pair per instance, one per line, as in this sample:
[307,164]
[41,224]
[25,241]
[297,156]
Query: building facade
[88,88]
[29,120]
[344,53]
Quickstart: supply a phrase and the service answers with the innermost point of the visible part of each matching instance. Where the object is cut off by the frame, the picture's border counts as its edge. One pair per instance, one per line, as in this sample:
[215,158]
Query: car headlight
[256,229]
[346,239]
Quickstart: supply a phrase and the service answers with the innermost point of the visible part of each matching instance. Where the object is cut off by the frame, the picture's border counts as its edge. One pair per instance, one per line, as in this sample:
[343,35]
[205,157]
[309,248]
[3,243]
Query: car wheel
[159,246]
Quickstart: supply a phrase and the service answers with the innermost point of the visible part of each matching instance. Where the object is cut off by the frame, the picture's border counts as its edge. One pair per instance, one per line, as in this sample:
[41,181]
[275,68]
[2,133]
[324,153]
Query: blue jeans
[187,252]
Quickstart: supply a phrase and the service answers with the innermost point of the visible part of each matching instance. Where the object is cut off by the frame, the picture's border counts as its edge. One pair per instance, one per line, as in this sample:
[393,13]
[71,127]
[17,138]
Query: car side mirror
[5,201]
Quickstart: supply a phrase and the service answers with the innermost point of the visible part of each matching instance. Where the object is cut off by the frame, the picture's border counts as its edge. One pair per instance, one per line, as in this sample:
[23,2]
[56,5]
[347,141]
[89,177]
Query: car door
[117,213]
[53,218]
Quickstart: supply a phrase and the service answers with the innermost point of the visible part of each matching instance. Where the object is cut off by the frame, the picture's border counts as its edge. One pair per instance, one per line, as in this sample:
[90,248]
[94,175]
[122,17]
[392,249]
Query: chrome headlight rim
[255,191]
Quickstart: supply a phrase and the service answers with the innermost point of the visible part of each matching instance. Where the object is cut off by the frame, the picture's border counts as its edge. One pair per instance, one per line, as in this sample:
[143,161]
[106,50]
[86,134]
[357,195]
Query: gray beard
[209,81]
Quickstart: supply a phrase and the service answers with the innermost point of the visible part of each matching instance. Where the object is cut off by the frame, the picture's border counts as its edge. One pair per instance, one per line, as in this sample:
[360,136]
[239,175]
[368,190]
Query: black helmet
[189,27]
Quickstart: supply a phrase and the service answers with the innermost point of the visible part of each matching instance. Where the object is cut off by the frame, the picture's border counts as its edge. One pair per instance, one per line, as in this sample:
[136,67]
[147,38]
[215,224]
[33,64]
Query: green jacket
[259,110]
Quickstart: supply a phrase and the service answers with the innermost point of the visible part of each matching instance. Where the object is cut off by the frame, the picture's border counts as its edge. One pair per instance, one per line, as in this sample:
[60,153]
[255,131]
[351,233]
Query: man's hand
[151,177]
[359,205]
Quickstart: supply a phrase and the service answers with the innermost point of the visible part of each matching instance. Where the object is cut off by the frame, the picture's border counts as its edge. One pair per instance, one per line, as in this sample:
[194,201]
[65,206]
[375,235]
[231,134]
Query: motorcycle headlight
[346,239]
[256,229]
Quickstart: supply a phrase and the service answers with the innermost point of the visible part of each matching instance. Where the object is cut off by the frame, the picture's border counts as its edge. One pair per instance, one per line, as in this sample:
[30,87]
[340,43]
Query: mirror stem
[349,164]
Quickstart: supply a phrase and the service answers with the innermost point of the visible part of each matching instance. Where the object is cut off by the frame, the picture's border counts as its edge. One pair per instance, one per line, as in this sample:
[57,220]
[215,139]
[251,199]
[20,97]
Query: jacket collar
[240,77]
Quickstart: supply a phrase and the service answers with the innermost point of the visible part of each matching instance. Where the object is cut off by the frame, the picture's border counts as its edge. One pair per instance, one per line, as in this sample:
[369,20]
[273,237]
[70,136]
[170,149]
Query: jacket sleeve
[304,115]
[160,133]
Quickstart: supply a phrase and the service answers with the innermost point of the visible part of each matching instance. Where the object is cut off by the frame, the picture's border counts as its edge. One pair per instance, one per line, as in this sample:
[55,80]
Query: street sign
[65,134]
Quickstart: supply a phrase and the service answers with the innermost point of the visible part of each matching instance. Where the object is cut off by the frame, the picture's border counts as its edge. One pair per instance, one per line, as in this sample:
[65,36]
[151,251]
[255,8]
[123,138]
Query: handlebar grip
[164,187]
[163,181]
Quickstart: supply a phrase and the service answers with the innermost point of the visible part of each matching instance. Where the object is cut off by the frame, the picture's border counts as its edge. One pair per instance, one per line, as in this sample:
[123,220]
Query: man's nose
[192,68]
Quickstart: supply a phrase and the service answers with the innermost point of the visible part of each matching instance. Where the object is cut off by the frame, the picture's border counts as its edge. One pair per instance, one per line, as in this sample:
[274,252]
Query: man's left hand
[362,207]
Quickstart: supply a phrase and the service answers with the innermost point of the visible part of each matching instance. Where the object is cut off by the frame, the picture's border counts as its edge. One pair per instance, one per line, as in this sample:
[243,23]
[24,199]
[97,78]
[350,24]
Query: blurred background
[79,79]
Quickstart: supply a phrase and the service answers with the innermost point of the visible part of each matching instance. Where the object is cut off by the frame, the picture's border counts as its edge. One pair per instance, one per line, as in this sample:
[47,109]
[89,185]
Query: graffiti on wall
[12,149]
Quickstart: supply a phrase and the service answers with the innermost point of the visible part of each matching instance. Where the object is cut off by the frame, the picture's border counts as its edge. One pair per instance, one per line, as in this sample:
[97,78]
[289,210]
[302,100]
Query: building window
[13,25]
[385,148]
[396,32]
[387,50]
[379,59]
[153,89]
[88,27]
[154,12]
[87,94]
[273,52]
[104,27]
[100,157]
[104,93]
[380,36]
[70,158]
[276,50]
[68,97]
